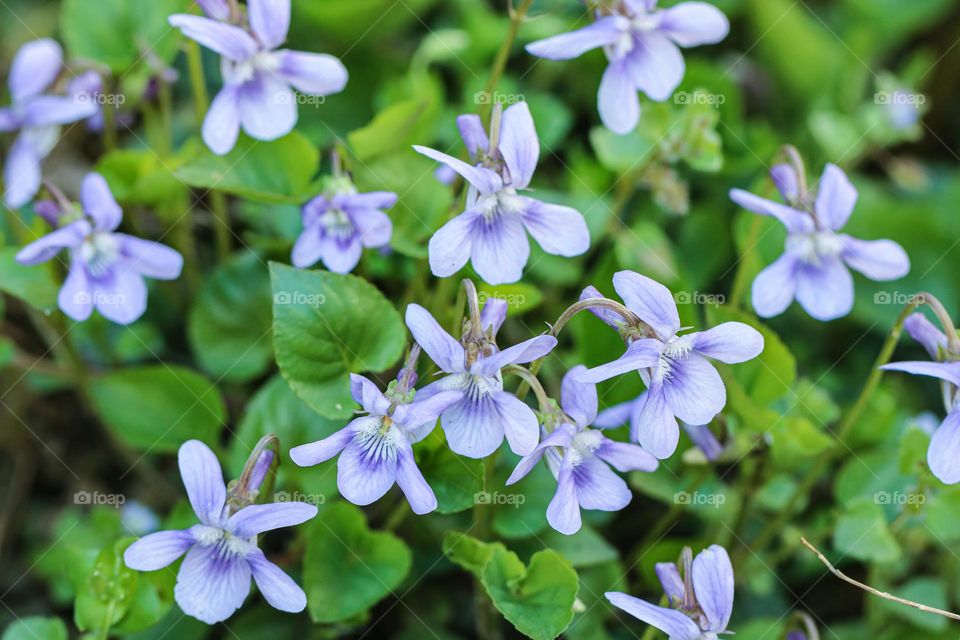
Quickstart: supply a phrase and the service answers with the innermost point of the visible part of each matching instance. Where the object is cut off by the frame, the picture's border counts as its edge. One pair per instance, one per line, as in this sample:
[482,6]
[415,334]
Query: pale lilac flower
[222,552]
[339,223]
[629,413]
[814,268]
[492,231]
[681,382]
[701,600]
[376,449]
[107,268]
[88,87]
[257,93]
[943,455]
[642,45]
[476,425]
[216,9]
[36,115]
[580,459]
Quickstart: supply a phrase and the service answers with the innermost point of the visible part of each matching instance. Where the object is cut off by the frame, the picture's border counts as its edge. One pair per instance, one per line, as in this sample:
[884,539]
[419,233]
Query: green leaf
[585,548]
[327,325]
[36,627]
[862,533]
[108,590]
[520,297]
[931,592]
[348,568]
[35,285]
[229,324]
[139,176]
[538,599]
[943,515]
[118,33]
[455,480]
[768,376]
[393,128]
[468,552]
[158,407]
[280,171]
[276,409]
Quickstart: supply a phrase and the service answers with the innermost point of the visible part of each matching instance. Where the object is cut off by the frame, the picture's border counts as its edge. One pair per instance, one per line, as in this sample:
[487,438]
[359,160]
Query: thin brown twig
[876,592]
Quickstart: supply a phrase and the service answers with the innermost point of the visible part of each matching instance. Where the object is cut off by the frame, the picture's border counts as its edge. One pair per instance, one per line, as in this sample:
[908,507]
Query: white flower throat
[337,223]
[584,444]
[675,349]
[99,252]
[240,72]
[379,439]
[814,247]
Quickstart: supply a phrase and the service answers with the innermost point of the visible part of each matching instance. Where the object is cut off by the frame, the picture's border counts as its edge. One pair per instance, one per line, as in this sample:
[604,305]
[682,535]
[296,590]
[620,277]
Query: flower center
[337,223]
[244,71]
[814,247]
[584,444]
[379,439]
[99,252]
[674,350]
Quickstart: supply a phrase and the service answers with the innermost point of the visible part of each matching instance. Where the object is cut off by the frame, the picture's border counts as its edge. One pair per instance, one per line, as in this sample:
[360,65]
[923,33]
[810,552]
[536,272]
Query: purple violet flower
[580,458]
[814,267]
[629,413]
[701,600]
[339,223]
[257,93]
[642,46]
[375,449]
[476,425]
[943,455]
[107,269]
[216,9]
[88,87]
[222,552]
[681,382]
[492,231]
[36,115]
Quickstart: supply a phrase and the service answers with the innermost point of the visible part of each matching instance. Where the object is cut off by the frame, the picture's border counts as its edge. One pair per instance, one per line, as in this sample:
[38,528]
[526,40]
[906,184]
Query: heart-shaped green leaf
[280,171]
[327,325]
[348,568]
[158,407]
[537,599]
[229,324]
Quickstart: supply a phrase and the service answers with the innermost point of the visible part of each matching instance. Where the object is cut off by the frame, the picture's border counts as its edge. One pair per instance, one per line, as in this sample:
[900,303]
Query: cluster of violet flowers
[107,271]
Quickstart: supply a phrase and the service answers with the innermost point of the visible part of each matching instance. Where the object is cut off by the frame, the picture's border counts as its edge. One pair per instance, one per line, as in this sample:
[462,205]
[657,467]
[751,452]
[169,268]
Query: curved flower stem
[574,309]
[503,54]
[530,379]
[946,322]
[876,592]
[776,525]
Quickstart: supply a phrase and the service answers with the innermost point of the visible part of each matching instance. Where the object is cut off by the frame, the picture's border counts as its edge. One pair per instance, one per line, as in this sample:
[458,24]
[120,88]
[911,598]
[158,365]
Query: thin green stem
[775,526]
[565,317]
[531,380]
[503,54]
[742,276]
[221,223]
[487,617]
[198,86]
